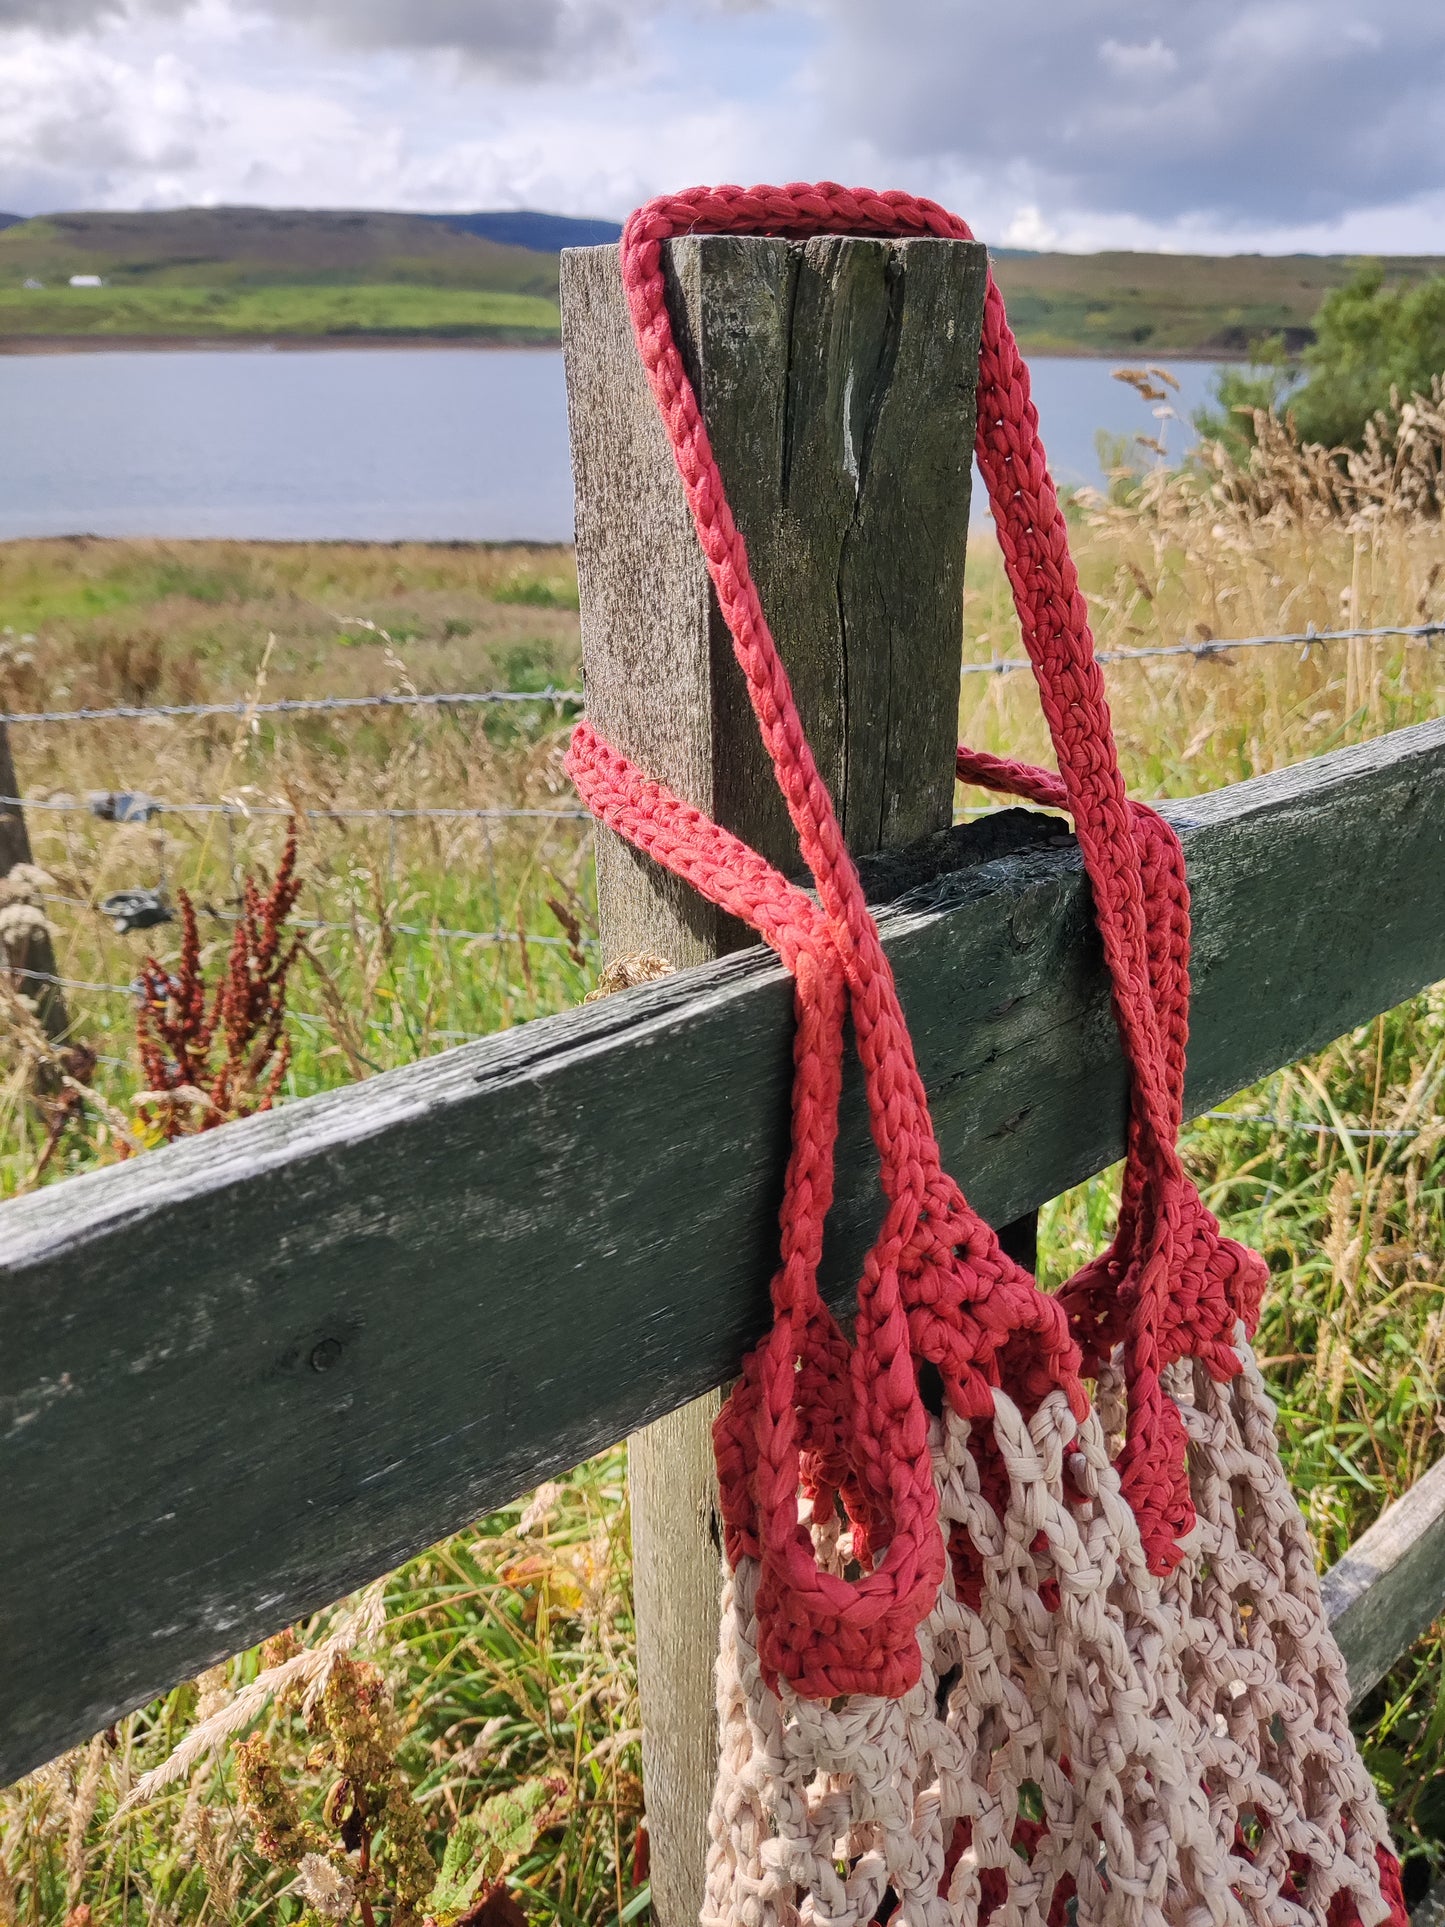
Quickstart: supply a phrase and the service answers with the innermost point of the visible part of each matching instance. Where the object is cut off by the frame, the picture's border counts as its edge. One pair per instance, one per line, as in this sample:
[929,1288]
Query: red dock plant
[210,1054]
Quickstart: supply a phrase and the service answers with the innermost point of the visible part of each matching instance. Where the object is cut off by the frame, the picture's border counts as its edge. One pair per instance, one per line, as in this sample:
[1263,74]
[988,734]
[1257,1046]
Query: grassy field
[198,271]
[506,1653]
[93,624]
[273,247]
[1189,304]
[294,312]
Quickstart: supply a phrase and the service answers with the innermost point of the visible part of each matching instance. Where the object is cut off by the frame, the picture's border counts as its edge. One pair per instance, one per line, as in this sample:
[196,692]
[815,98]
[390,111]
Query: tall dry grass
[97,625]
[1290,540]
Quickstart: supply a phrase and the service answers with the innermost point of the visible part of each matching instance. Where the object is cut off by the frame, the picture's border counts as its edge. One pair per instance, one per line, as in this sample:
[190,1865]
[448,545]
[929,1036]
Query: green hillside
[268,247]
[260,272]
[304,311]
[237,272]
[1175,303]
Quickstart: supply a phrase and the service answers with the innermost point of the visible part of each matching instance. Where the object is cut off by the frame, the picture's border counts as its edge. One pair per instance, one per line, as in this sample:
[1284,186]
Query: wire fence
[136,807]
[369,931]
[373,926]
[295,706]
[1423,632]
[1306,640]
[133,807]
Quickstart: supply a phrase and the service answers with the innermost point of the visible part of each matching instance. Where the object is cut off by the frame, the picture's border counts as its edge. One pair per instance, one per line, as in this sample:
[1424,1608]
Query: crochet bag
[1022,1650]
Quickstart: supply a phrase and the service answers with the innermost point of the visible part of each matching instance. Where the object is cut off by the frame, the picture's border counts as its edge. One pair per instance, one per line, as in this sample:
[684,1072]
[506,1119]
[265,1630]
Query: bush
[1372,343]
[1370,339]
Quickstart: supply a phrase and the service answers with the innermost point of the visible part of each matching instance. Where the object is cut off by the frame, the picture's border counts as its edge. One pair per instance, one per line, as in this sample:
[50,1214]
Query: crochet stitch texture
[1030,1656]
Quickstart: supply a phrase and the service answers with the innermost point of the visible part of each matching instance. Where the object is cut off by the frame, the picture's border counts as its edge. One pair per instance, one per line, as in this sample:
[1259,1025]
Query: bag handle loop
[847,1420]
[1034,540]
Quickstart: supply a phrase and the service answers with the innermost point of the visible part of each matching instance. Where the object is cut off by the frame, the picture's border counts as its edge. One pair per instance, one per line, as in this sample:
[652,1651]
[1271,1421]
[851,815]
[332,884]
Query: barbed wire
[293,705]
[242,812]
[1004,665]
[393,929]
[76,983]
[1218,645]
[145,806]
[1303,1124]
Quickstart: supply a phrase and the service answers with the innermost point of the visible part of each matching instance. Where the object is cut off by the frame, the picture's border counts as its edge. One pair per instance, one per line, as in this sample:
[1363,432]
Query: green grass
[508,1653]
[507,1657]
[383,309]
[270,271]
[1161,304]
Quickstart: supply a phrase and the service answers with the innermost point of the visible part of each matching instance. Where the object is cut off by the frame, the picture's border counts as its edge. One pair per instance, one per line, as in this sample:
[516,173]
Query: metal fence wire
[560,699]
[138,807]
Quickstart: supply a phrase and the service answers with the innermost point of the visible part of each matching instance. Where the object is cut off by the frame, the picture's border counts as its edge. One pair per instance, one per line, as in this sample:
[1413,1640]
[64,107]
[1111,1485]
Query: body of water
[390,444]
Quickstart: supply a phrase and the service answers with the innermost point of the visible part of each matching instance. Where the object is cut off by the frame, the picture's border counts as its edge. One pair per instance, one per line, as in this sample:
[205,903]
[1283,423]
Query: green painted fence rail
[243,1374]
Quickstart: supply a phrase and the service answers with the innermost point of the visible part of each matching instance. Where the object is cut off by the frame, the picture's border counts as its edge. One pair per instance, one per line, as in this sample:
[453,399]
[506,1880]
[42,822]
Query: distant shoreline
[305,344]
[251,344]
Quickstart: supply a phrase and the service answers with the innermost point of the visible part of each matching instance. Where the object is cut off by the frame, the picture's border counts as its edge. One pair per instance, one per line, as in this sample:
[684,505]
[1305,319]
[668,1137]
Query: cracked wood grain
[1390,1586]
[38,959]
[836,379]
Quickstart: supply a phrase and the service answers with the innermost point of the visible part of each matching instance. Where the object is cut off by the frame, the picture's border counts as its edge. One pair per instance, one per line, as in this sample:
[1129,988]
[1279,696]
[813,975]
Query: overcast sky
[1196,124]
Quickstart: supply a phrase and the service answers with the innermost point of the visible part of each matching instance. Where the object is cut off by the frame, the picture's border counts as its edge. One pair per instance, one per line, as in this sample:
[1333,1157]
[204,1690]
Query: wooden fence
[243,1375]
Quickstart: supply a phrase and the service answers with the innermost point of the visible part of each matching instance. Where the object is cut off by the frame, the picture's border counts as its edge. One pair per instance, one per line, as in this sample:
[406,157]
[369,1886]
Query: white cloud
[1029,229]
[1133,61]
[71,111]
[516,39]
[1258,116]
[1226,124]
[221,105]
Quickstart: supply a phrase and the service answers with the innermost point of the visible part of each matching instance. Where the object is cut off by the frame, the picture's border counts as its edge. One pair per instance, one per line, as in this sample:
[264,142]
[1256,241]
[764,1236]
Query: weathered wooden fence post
[36,967]
[837,381]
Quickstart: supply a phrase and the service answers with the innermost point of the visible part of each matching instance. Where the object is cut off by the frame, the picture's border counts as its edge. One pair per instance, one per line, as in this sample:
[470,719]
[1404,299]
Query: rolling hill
[1193,304]
[245,273]
[270,247]
[547,233]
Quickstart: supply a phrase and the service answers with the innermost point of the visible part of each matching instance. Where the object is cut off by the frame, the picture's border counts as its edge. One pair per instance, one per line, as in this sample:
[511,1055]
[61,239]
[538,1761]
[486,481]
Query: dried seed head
[213,1691]
[25,883]
[539,1507]
[20,924]
[282,1837]
[625,973]
[324,1887]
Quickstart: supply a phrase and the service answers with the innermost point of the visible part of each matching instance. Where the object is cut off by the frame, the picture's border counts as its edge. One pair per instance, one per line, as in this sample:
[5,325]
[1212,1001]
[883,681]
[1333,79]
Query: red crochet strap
[1031,533]
[845,1422]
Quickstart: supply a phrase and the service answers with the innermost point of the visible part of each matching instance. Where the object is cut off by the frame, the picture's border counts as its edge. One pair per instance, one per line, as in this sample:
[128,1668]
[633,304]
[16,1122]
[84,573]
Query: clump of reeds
[1287,541]
[1277,479]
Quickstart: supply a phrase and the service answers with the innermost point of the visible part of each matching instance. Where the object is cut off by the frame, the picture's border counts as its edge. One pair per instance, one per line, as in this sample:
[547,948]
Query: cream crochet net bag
[1086,1742]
